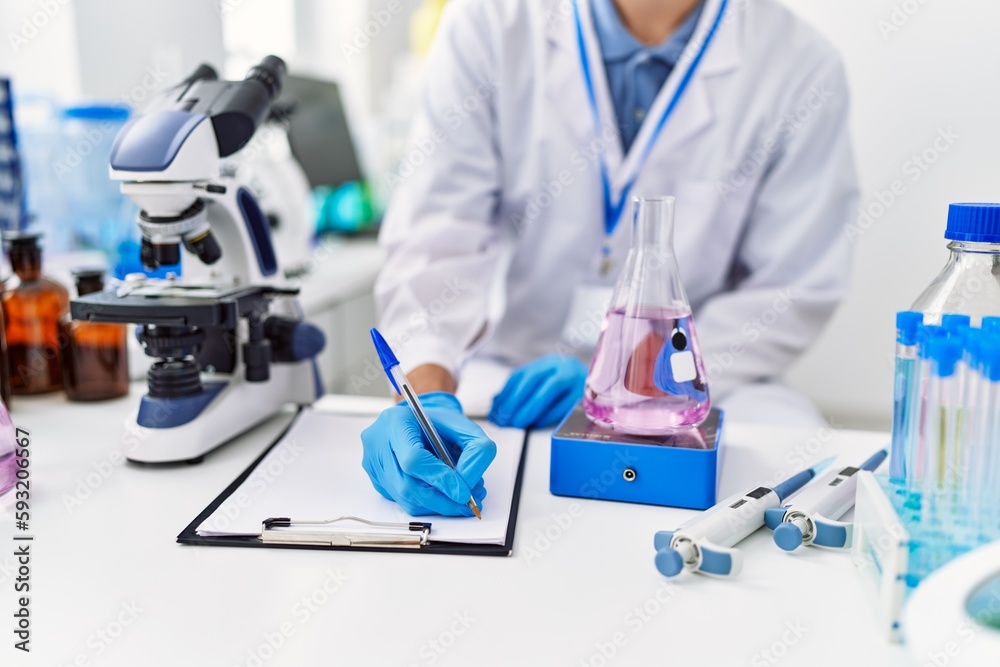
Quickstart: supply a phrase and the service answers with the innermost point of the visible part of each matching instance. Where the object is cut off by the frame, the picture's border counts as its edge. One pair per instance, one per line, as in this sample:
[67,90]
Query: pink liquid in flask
[647,375]
[8,472]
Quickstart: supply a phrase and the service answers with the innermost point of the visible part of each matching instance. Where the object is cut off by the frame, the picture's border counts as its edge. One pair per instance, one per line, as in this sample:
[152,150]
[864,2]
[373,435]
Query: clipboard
[416,536]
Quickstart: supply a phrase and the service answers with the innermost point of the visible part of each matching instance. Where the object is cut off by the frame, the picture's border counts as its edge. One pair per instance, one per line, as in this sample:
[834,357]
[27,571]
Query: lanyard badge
[613,208]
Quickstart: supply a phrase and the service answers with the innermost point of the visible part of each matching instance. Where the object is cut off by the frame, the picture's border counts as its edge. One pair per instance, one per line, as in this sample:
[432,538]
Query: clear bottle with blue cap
[100,217]
[969,283]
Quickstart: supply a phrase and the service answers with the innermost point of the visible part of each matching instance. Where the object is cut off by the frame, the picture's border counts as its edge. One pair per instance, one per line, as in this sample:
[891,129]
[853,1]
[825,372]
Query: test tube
[918,409]
[983,460]
[959,330]
[906,390]
[940,431]
[971,400]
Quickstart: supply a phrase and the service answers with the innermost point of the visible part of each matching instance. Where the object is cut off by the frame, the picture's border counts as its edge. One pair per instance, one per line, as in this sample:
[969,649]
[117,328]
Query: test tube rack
[895,550]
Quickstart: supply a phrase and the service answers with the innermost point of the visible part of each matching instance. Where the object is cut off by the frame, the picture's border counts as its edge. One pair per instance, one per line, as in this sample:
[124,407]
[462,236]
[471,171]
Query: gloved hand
[403,467]
[540,393]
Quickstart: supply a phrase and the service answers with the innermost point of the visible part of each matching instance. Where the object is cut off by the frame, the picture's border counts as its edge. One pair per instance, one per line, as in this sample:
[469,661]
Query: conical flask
[647,376]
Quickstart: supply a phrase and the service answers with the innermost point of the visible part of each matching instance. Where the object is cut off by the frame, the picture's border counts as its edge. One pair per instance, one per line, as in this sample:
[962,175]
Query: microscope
[230,345]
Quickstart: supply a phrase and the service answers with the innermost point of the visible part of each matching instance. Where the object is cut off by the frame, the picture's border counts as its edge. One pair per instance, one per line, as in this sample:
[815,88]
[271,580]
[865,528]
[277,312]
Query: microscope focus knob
[293,340]
[257,360]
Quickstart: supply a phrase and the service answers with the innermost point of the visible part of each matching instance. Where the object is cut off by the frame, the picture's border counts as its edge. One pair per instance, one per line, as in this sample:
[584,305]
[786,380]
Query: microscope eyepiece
[204,72]
[271,72]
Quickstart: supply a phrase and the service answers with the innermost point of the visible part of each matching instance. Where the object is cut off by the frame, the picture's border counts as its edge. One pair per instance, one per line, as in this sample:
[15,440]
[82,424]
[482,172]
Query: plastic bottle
[969,283]
[102,217]
[95,357]
[32,309]
[647,375]
[46,164]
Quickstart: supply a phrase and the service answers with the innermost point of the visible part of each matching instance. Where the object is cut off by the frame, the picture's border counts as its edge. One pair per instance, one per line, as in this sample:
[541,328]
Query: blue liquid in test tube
[906,389]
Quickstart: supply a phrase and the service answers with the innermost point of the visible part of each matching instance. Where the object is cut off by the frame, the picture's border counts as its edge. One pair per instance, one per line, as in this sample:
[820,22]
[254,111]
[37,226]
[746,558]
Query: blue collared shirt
[636,72]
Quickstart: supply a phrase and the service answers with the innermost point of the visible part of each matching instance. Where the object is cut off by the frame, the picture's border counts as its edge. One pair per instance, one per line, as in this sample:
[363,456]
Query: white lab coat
[497,211]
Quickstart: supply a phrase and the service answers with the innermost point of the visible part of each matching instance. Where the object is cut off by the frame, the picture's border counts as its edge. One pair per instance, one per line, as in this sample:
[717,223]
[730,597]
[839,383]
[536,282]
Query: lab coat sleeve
[793,262]
[433,293]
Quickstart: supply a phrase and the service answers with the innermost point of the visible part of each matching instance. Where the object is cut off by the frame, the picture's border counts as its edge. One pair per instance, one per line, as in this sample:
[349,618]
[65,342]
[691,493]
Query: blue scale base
[679,469]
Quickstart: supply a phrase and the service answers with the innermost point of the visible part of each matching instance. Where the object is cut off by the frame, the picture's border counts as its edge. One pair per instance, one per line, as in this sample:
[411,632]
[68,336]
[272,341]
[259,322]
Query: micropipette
[812,517]
[704,543]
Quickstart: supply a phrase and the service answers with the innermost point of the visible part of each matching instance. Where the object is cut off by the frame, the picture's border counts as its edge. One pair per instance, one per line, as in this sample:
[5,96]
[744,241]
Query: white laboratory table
[110,586]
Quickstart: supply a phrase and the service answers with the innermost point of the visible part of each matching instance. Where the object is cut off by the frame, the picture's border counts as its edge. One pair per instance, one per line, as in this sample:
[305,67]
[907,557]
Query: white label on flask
[682,366]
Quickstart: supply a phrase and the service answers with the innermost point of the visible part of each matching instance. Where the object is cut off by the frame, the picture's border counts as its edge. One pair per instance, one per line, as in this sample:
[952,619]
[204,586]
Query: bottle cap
[22,246]
[88,280]
[954,322]
[945,352]
[973,223]
[991,324]
[907,323]
[97,112]
[925,334]
[21,239]
[972,341]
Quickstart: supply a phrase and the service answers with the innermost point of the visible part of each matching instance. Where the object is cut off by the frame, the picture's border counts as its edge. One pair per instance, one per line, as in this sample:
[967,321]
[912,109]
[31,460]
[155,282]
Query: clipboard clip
[412,535]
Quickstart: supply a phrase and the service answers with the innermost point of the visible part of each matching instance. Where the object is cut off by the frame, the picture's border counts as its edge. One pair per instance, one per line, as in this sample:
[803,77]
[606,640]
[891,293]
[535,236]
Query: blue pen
[390,364]
[704,543]
[812,517]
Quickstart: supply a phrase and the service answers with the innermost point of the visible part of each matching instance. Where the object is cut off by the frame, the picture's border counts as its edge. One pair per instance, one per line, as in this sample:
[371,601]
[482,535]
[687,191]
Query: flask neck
[27,264]
[968,248]
[965,254]
[653,224]
[650,280]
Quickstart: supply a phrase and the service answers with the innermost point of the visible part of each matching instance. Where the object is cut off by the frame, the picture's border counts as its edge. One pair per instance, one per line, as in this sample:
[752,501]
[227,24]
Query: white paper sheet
[315,473]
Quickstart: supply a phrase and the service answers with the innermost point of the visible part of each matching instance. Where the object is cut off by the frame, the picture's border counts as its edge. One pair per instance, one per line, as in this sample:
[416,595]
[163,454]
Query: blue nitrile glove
[540,393]
[403,467]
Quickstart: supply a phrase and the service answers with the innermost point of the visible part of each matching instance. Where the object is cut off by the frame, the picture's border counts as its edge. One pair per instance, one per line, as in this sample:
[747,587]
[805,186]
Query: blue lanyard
[613,209]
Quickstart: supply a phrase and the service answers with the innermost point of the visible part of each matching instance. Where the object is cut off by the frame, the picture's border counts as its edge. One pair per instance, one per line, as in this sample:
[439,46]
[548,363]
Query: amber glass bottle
[95,359]
[32,309]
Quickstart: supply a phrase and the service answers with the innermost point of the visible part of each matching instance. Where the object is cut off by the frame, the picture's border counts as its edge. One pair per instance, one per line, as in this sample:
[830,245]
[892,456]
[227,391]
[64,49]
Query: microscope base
[236,408]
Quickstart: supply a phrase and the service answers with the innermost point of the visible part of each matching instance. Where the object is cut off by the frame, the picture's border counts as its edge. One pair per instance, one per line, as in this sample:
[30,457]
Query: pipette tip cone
[823,465]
